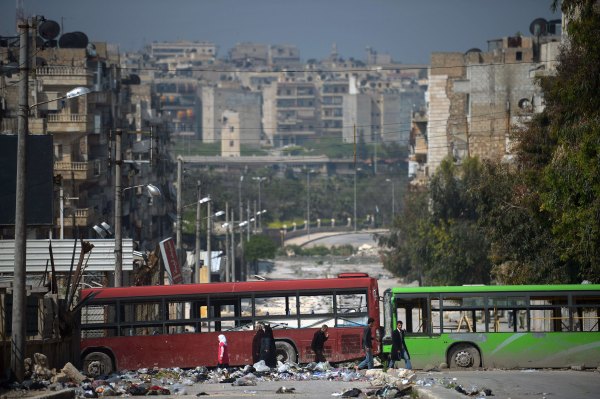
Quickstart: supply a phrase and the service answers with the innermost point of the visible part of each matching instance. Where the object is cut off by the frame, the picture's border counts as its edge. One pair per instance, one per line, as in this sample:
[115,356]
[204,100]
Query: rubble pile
[176,381]
[452,383]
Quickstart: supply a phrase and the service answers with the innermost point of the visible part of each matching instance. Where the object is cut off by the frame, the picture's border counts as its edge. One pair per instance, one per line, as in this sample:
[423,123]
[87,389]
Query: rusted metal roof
[101,258]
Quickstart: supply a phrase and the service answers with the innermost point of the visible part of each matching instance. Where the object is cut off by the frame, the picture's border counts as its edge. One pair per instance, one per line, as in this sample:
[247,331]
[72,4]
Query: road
[513,384]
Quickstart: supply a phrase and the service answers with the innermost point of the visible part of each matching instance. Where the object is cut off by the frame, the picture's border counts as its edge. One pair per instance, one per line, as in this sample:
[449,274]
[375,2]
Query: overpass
[302,237]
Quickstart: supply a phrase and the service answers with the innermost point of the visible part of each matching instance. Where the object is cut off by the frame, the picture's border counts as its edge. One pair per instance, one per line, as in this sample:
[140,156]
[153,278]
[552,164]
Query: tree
[259,247]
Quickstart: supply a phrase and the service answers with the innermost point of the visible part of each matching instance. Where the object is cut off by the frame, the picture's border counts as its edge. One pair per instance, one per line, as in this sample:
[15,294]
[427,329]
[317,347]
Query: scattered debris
[285,390]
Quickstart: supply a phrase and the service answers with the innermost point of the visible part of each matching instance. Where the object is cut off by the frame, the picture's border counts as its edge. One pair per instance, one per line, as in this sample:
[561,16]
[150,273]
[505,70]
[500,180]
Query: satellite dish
[473,50]
[524,103]
[73,40]
[538,27]
[49,30]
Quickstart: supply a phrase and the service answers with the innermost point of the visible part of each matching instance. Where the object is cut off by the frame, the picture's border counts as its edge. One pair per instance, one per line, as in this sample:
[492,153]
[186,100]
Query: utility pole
[228,258]
[185,270]
[233,275]
[118,211]
[208,234]
[197,265]
[19,317]
[308,203]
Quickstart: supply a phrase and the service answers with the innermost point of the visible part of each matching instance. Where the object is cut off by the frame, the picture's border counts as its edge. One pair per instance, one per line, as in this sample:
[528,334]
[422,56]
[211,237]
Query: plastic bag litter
[260,366]
[322,366]
[247,380]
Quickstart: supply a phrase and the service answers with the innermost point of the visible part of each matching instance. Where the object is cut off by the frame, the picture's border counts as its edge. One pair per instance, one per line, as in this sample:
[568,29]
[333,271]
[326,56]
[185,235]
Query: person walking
[223,353]
[318,343]
[267,348]
[256,342]
[399,348]
[367,345]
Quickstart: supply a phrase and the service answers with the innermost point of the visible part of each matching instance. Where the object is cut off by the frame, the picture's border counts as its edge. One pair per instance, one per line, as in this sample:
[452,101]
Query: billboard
[169,257]
[38,184]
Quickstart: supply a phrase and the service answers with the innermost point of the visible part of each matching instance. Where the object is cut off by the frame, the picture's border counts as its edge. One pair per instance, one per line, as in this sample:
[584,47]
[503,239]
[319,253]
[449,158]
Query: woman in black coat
[267,348]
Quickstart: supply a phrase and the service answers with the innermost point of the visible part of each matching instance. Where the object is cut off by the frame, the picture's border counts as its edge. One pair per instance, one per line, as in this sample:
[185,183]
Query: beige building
[290,111]
[475,99]
[247,105]
[230,134]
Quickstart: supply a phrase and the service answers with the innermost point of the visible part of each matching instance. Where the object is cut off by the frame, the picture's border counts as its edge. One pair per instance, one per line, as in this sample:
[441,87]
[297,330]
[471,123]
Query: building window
[519,56]
[231,129]
[231,143]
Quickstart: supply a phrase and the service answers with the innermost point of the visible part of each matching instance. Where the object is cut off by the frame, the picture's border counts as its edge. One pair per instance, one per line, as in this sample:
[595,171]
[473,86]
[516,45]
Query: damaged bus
[178,325]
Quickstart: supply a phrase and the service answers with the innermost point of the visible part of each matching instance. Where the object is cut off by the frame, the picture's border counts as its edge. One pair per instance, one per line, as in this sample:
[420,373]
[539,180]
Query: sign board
[39,197]
[169,257]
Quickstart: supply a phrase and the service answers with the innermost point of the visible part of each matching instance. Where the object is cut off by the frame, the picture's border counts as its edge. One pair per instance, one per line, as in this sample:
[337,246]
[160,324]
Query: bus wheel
[97,363]
[285,352]
[464,356]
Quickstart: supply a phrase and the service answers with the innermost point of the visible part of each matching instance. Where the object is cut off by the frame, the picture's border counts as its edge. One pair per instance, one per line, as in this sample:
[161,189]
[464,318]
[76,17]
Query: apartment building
[331,92]
[216,100]
[249,54]
[180,104]
[476,98]
[82,130]
[183,49]
[290,111]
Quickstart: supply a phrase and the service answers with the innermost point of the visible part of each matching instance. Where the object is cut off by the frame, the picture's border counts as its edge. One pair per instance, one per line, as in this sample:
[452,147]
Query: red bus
[178,325]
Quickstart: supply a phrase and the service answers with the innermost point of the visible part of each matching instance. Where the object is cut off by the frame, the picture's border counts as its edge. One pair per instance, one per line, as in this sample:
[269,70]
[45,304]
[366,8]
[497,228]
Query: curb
[62,394]
[437,392]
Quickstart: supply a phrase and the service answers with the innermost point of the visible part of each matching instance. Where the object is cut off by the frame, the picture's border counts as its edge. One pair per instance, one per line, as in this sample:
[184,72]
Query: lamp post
[209,234]
[18,336]
[259,180]
[198,219]
[393,200]
[153,191]
[308,172]
[354,198]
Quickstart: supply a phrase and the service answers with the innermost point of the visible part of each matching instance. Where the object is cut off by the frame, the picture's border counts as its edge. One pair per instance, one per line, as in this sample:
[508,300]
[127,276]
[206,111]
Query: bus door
[415,311]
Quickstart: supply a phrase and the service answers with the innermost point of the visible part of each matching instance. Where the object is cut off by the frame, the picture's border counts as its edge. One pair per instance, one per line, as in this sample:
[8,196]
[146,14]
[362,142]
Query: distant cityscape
[262,97]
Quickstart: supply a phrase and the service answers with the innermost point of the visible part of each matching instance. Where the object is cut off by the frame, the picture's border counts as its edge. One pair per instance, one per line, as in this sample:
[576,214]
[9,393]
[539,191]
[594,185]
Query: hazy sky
[409,30]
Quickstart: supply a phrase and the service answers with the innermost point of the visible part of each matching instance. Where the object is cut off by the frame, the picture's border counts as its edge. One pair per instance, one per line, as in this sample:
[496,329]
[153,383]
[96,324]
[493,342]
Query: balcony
[11,126]
[79,170]
[70,123]
[65,76]
[83,217]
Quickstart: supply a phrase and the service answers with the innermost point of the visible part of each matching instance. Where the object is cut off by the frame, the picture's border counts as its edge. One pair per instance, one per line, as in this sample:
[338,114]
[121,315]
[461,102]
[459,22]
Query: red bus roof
[345,282]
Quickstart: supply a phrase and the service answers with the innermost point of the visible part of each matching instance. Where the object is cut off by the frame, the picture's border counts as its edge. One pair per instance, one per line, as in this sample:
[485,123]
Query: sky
[408,30]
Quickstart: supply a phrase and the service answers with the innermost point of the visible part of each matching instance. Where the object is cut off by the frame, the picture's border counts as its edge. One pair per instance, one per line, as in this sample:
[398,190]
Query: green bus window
[586,314]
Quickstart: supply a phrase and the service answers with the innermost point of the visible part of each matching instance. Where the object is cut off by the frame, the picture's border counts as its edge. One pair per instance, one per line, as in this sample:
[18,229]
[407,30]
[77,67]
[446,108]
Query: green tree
[259,247]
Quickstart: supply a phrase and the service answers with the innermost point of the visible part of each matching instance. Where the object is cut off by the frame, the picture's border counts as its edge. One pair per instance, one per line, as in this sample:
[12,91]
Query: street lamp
[393,200]
[153,191]
[259,180]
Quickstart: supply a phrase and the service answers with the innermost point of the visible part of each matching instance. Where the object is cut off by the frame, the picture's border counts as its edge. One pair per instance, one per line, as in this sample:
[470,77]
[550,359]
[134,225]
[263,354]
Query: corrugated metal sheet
[102,257]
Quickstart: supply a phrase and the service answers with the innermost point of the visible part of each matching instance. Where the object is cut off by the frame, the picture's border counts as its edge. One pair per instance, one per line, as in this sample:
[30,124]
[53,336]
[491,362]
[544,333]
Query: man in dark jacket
[318,343]
[399,349]
[367,346]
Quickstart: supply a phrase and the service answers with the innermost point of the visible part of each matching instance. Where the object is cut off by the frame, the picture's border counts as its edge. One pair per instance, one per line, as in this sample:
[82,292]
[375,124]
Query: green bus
[518,326]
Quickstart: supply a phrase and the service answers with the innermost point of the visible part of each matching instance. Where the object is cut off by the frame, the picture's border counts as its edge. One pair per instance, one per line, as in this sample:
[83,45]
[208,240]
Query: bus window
[136,318]
[414,313]
[316,304]
[586,315]
[316,310]
[507,313]
[462,314]
[549,313]
[99,314]
[351,309]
